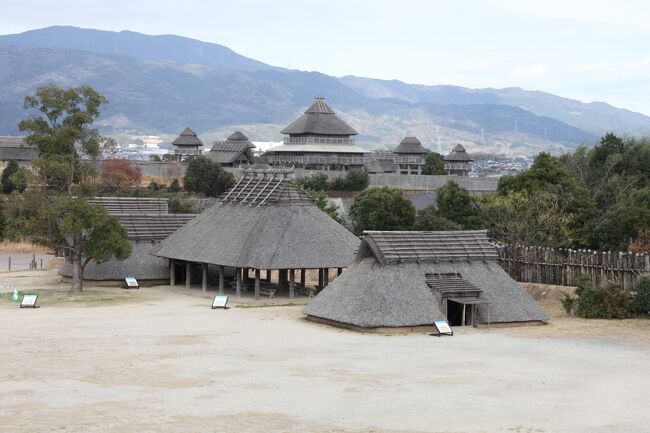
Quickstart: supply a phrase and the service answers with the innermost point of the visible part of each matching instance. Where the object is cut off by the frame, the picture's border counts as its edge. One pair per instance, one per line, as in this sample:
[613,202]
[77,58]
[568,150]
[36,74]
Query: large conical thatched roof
[400,279]
[264,222]
[319,119]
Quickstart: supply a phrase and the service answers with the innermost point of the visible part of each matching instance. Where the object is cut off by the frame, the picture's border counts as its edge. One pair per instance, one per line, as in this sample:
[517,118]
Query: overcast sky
[592,50]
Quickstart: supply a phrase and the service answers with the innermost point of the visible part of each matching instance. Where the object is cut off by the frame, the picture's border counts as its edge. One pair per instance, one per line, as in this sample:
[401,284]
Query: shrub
[641,297]
[119,173]
[207,177]
[381,208]
[180,205]
[316,182]
[355,180]
[568,303]
[174,186]
[429,219]
[594,302]
[13,178]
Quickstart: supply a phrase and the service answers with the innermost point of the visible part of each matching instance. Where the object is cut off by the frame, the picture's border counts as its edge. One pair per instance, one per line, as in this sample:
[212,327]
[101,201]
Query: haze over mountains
[160,84]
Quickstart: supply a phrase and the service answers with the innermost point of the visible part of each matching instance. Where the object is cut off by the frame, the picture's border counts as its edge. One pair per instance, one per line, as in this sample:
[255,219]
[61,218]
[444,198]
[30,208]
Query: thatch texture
[319,119]
[131,205]
[411,146]
[381,292]
[458,154]
[15,149]
[264,222]
[237,148]
[142,265]
[187,138]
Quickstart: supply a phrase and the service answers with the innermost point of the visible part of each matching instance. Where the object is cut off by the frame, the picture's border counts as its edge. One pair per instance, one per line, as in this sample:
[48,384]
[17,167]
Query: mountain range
[160,84]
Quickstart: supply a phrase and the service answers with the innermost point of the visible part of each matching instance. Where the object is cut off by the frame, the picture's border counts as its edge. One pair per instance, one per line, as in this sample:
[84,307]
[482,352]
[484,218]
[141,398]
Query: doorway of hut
[458,314]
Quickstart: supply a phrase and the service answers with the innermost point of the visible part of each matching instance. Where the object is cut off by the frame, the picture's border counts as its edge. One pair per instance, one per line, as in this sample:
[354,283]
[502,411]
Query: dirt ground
[160,360]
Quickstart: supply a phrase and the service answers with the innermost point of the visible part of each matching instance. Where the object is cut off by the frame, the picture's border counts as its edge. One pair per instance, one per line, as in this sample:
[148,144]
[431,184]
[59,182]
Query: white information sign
[29,301]
[131,283]
[220,301]
[443,327]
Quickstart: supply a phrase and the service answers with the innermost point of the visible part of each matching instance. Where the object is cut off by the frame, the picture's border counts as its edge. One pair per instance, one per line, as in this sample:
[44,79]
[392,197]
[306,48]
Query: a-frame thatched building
[264,223]
[411,279]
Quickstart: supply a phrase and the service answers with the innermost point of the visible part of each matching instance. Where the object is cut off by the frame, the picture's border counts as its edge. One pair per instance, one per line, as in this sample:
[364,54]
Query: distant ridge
[161,84]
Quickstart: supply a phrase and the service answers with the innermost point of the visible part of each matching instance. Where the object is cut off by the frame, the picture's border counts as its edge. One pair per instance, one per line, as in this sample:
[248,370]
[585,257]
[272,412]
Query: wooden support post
[303,273]
[320,278]
[282,279]
[292,283]
[268,276]
[188,274]
[172,273]
[244,279]
[204,277]
[238,286]
[339,271]
[221,279]
[326,277]
[257,284]
[462,322]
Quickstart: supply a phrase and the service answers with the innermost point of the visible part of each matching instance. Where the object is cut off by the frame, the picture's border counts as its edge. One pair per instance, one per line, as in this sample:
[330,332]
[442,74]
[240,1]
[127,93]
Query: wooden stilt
[303,273]
[204,277]
[326,277]
[221,279]
[257,284]
[238,286]
[320,278]
[339,271]
[172,273]
[463,317]
[188,274]
[292,283]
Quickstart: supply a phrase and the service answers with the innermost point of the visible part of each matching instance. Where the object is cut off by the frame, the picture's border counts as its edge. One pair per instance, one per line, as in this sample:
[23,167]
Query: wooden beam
[238,286]
[204,277]
[221,279]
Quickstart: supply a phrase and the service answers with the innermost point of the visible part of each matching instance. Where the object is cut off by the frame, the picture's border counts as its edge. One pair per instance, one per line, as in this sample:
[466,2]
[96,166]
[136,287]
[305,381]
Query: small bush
[174,186]
[568,303]
[179,205]
[640,305]
[594,302]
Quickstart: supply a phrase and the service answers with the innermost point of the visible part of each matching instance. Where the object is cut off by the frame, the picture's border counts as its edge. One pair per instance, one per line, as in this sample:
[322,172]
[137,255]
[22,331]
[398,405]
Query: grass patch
[23,247]
[89,297]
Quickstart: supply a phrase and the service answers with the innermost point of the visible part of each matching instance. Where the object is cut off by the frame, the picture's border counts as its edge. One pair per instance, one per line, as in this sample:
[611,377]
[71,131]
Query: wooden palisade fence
[564,266]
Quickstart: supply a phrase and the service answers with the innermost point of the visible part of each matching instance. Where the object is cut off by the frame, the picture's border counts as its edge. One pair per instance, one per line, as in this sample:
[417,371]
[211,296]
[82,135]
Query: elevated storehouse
[411,279]
[187,145]
[235,151]
[319,139]
[410,156]
[458,162]
[264,223]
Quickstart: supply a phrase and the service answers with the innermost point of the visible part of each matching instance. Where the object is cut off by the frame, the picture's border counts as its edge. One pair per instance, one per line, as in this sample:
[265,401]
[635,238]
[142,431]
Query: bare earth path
[162,361]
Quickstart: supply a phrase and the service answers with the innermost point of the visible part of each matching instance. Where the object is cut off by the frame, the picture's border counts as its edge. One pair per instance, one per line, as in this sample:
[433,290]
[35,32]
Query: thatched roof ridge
[320,119]
[391,247]
[154,227]
[411,146]
[458,154]
[265,187]
[187,138]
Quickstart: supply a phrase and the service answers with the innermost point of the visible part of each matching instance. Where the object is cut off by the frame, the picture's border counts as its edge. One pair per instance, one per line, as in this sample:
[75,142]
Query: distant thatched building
[410,156]
[319,138]
[411,279]
[147,223]
[187,145]
[15,149]
[458,162]
[235,151]
[263,223]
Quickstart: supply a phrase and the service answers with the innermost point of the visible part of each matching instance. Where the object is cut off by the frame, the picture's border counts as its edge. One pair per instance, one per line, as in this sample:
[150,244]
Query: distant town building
[235,151]
[187,145]
[318,139]
[458,162]
[410,156]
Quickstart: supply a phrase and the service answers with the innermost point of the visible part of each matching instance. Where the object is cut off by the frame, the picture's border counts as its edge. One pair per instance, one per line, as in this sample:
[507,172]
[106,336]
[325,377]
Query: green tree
[381,208]
[434,164]
[320,200]
[13,178]
[207,177]
[455,204]
[428,219]
[61,131]
[86,232]
[317,182]
[354,180]
[174,186]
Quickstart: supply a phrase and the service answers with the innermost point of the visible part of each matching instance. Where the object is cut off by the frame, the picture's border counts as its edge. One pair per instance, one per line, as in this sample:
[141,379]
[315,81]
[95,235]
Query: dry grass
[23,247]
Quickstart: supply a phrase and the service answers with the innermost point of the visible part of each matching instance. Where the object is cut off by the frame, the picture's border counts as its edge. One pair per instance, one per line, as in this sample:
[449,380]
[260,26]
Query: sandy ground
[160,360]
[21,261]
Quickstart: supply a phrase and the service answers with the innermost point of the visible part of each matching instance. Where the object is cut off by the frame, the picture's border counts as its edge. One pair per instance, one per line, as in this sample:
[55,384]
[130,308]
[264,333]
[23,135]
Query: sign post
[220,301]
[443,328]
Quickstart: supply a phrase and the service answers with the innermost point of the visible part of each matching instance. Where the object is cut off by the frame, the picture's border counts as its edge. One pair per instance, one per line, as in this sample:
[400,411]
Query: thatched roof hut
[235,151]
[263,222]
[411,279]
[187,138]
[458,154]
[144,232]
[410,146]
